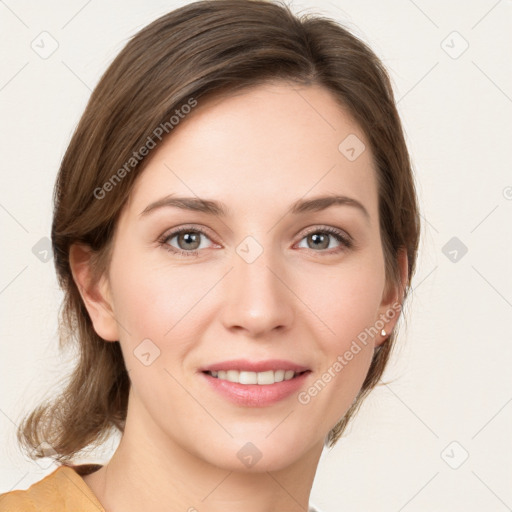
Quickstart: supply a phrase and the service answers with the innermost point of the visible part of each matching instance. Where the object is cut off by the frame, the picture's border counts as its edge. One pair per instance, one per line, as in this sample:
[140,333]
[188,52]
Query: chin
[255,454]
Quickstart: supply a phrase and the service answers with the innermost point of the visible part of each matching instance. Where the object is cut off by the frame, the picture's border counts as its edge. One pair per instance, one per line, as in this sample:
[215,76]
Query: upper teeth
[242,377]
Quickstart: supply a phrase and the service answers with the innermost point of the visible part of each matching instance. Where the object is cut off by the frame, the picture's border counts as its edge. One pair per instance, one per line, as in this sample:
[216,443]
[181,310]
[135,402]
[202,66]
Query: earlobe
[94,292]
[393,298]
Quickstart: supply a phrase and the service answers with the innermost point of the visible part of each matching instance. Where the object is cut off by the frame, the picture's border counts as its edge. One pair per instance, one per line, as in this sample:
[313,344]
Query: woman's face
[258,283]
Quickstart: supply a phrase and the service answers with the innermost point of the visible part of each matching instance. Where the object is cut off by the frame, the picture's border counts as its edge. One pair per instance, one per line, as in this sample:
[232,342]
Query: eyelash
[338,235]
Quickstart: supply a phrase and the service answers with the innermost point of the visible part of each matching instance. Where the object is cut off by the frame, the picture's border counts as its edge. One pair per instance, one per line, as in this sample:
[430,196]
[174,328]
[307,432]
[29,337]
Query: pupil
[190,238]
[315,238]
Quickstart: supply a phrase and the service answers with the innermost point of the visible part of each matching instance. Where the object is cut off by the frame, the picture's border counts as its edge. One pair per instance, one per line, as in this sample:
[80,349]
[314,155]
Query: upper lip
[255,366]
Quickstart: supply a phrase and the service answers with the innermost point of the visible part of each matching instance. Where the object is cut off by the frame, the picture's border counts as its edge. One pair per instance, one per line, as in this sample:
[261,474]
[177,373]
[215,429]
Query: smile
[263,378]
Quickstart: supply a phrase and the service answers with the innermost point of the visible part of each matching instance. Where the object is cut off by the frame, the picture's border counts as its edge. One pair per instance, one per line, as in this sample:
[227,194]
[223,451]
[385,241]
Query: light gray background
[451,396]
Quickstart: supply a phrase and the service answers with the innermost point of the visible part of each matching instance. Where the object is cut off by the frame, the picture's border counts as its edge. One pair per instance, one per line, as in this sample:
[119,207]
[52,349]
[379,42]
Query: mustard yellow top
[64,490]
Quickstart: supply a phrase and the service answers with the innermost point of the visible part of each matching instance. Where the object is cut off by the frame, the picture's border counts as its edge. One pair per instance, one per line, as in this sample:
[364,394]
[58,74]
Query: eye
[319,238]
[188,240]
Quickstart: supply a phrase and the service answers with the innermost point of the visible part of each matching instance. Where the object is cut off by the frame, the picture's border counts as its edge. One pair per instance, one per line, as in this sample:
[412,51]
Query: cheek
[345,299]
[347,309]
[142,304]
[158,302]
[345,303]
[154,304]
[149,295]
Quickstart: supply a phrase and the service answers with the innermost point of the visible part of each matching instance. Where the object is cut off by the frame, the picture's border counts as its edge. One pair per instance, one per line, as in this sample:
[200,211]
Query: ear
[95,293]
[391,305]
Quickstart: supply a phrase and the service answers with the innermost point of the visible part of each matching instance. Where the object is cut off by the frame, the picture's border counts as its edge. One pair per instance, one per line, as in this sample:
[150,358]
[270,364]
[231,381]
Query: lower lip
[256,395]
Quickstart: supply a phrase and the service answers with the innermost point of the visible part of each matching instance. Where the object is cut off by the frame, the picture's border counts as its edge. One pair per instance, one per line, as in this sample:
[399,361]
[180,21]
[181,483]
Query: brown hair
[204,49]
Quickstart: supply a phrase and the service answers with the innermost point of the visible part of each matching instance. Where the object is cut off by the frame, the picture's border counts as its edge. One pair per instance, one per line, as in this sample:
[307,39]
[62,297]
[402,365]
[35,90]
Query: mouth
[264,378]
[256,389]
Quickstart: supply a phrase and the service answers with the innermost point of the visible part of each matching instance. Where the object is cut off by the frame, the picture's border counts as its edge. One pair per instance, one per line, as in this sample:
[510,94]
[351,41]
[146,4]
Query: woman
[235,230]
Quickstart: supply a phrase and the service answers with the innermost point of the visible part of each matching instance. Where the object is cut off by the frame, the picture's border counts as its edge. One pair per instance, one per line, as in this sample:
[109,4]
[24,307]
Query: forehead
[267,146]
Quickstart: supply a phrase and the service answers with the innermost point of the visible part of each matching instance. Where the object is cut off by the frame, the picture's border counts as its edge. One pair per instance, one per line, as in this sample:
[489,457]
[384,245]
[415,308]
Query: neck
[151,471]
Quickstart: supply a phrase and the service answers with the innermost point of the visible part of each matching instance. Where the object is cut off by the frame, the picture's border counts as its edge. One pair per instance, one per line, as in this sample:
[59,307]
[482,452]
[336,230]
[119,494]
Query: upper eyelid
[320,227]
[204,230]
[176,231]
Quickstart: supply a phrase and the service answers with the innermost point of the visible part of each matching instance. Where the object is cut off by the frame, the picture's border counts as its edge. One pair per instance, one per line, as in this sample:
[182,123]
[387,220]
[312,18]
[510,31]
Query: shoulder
[62,490]
[17,501]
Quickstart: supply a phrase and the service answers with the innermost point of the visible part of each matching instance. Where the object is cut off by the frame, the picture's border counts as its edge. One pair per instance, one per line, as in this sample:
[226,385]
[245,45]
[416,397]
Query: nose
[258,300]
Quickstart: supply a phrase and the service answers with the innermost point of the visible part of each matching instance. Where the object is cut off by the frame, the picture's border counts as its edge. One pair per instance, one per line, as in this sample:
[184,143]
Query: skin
[258,152]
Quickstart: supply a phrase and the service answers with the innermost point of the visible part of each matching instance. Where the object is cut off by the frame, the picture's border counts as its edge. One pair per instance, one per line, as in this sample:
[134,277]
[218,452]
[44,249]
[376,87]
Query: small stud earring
[383,332]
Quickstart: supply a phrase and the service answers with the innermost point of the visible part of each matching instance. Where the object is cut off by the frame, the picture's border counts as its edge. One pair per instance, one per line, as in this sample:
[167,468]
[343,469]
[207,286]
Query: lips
[255,366]
[255,395]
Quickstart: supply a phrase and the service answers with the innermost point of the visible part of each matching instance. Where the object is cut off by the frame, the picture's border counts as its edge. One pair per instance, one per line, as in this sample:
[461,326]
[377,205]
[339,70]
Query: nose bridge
[258,300]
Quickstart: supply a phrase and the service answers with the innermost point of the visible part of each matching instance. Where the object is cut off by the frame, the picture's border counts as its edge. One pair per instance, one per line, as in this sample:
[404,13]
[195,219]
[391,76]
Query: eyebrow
[219,209]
